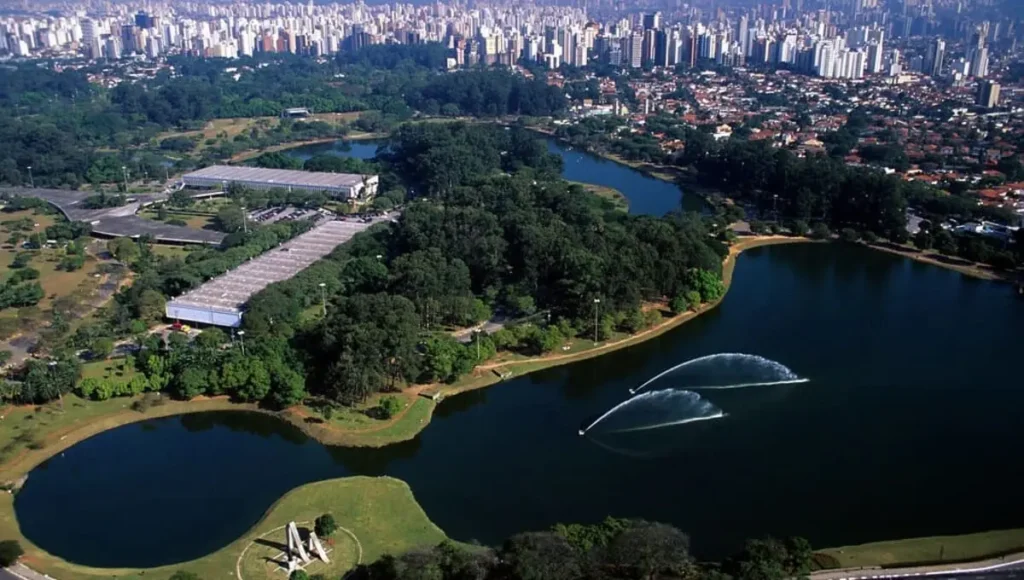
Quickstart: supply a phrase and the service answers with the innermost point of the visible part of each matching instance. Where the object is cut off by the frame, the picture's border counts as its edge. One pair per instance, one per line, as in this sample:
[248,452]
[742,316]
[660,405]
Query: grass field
[611,194]
[113,369]
[55,282]
[355,429]
[171,251]
[236,126]
[962,548]
[381,514]
[199,222]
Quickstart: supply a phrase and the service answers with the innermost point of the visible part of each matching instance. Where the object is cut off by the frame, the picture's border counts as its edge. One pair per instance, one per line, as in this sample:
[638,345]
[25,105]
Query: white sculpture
[316,547]
[295,548]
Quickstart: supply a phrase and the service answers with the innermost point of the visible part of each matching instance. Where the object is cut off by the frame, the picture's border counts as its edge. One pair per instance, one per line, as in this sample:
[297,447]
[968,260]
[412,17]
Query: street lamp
[124,172]
[241,340]
[597,303]
[323,296]
[31,182]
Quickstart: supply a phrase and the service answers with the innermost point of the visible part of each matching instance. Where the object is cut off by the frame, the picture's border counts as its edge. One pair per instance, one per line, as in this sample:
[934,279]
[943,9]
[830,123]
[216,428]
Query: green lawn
[931,549]
[613,195]
[113,369]
[353,428]
[198,222]
[55,282]
[381,513]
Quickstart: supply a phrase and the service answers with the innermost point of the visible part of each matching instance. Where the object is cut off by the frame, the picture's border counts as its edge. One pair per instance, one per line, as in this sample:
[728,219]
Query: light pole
[31,182]
[323,297]
[124,172]
[597,304]
[245,221]
[241,340]
[775,206]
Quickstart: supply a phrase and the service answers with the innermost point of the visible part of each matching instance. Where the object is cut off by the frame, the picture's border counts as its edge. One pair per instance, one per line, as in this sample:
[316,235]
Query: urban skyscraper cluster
[814,41]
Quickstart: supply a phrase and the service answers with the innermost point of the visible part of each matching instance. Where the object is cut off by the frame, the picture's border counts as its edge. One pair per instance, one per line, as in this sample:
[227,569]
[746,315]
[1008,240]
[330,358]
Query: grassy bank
[583,349]
[381,514]
[618,199]
[934,549]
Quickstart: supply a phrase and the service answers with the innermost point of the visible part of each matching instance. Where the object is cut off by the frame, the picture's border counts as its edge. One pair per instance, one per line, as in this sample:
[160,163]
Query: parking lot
[288,213]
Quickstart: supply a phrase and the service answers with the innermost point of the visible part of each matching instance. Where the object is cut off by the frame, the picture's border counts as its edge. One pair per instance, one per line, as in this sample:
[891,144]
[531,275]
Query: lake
[909,426]
[646,194]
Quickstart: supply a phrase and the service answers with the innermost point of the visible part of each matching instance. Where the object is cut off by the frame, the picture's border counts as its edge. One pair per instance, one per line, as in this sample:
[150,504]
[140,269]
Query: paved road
[1010,567]
[20,571]
[118,221]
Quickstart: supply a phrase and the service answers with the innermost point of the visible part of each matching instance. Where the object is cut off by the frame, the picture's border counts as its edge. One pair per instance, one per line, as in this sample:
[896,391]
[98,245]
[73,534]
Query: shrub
[10,551]
[799,228]
[869,237]
[324,526]
[820,231]
[678,304]
[389,406]
[693,299]
[299,575]
[849,235]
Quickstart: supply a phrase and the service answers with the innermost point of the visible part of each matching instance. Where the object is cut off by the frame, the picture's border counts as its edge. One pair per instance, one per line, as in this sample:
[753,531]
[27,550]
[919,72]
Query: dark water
[910,426]
[646,194]
[359,149]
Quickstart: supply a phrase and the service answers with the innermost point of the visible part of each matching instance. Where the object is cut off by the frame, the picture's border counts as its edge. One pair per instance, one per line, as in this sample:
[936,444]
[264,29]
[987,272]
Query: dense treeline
[72,133]
[616,549]
[492,229]
[489,93]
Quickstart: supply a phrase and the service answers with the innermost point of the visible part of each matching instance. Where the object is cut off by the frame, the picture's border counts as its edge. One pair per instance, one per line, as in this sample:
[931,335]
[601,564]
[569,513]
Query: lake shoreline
[60,439]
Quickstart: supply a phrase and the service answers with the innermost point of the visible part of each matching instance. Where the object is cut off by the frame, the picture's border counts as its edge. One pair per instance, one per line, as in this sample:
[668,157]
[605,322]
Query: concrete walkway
[23,572]
[1015,560]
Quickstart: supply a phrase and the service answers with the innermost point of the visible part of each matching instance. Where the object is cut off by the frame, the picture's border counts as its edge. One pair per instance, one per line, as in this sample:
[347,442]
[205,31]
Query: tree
[820,231]
[944,242]
[849,235]
[678,304]
[693,299]
[10,551]
[707,284]
[325,526]
[761,559]
[101,347]
[151,306]
[230,219]
[923,240]
[5,357]
[541,556]
[389,407]
[650,549]
[299,575]
[124,250]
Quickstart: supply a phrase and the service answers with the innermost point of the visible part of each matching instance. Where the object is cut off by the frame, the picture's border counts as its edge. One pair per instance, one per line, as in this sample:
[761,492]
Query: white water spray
[717,415]
[660,409]
[745,385]
[778,373]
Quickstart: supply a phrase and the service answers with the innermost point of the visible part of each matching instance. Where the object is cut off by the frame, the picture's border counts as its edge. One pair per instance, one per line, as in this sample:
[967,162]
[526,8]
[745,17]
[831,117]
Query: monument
[298,554]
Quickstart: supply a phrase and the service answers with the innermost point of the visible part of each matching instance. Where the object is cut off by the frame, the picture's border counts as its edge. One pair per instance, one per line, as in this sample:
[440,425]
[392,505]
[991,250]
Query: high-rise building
[933,60]
[979,63]
[635,49]
[128,40]
[652,21]
[988,94]
[661,52]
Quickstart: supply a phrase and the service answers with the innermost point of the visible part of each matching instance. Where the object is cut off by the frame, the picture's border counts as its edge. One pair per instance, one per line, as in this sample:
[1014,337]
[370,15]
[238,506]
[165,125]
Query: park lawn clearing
[381,514]
[108,369]
[619,201]
[354,428]
[934,549]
